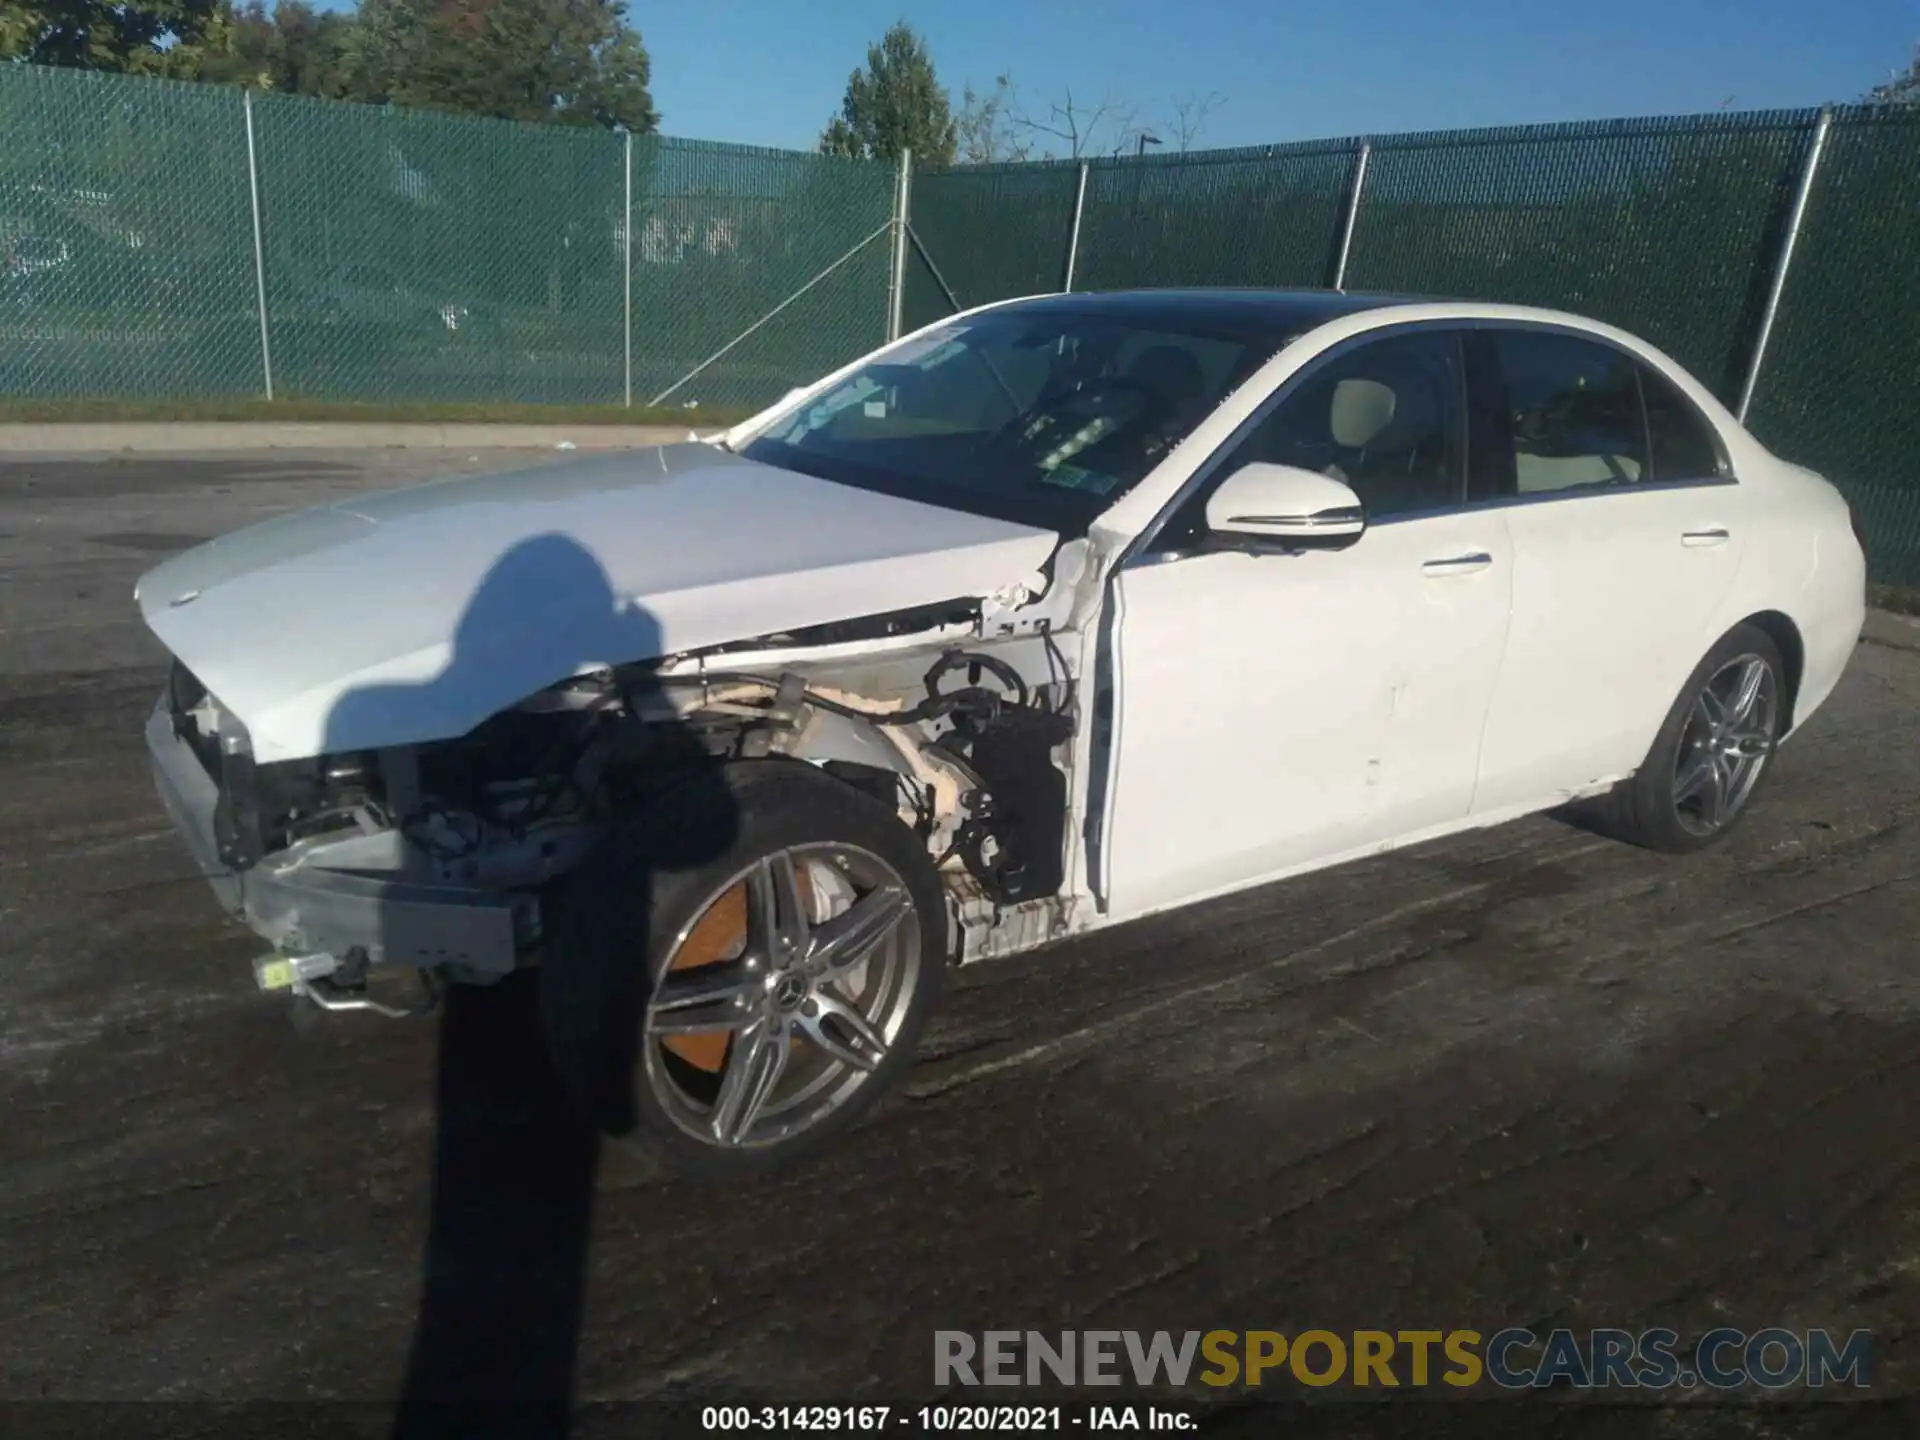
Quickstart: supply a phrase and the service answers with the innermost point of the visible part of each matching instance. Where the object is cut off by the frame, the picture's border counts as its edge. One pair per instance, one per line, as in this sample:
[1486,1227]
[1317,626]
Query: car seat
[1391,441]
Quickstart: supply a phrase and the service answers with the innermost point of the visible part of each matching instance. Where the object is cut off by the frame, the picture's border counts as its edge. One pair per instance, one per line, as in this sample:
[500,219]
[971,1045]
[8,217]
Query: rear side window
[1573,412]
[1683,444]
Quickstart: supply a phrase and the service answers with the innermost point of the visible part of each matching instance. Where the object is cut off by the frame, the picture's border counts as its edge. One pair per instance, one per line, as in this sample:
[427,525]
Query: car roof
[1293,314]
[1290,310]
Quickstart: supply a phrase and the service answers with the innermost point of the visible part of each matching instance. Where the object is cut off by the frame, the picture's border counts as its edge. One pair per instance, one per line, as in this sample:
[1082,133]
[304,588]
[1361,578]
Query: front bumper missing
[304,910]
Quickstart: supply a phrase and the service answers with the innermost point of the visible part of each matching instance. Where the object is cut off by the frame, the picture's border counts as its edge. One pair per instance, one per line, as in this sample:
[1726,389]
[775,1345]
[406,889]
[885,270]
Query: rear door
[1618,501]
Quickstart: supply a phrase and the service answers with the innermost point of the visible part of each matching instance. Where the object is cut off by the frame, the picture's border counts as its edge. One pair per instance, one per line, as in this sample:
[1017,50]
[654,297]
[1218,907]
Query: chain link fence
[172,241]
[1270,216]
[1840,387]
[998,230]
[126,249]
[1666,228]
[1670,228]
[775,261]
[410,256]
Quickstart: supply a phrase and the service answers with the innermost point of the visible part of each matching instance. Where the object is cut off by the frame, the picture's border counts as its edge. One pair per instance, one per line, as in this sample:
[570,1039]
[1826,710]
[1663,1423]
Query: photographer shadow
[533,1069]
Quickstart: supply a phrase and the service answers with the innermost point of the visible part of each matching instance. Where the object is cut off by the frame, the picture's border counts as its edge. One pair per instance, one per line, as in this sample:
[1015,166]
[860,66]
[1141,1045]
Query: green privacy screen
[989,232]
[1840,388]
[1667,228]
[1270,216]
[410,255]
[726,236]
[126,252]
[416,256]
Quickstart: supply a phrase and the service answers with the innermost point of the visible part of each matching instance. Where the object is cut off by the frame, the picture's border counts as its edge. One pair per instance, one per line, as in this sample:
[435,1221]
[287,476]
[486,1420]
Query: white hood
[415,614]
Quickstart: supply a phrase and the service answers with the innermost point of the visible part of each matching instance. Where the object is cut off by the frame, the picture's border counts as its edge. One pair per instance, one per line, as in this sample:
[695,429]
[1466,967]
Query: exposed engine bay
[967,739]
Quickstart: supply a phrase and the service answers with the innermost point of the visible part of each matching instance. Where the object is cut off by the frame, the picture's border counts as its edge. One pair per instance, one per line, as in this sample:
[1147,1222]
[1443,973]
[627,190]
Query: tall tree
[1109,123]
[895,104]
[1188,118]
[295,49]
[577,62]
[986,130]
[1902,89]
[147,37]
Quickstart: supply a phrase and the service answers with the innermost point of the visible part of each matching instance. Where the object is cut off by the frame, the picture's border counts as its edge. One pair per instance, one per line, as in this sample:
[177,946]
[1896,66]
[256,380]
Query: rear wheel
[1707,762]
[777,988]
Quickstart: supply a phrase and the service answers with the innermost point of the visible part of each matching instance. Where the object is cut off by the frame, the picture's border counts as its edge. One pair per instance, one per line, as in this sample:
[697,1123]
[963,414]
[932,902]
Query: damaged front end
[307,854]
[433,859]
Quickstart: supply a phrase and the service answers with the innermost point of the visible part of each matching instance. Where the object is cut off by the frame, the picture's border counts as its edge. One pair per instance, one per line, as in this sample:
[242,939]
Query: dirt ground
[1524,1077]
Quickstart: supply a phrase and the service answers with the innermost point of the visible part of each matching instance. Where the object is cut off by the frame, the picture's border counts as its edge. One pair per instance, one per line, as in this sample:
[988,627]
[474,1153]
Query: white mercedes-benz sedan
[1055,614]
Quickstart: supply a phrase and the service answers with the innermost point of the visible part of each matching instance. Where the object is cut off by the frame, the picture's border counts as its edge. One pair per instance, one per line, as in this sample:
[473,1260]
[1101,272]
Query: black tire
[1643,810]
[648,883]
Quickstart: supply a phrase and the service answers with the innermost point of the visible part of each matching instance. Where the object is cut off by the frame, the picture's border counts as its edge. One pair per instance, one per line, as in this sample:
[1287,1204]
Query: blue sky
[770,72]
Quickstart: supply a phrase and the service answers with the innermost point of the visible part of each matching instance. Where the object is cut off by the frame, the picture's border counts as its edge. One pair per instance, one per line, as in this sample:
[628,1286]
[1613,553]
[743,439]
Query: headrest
[1361,409]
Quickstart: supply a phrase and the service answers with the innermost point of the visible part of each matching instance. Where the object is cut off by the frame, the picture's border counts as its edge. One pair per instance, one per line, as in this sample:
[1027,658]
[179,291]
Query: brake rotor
[718,936]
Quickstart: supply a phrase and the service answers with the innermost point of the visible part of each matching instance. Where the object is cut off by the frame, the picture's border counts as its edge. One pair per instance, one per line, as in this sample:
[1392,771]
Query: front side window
[1388,418]
[1042,417]
[1573,412]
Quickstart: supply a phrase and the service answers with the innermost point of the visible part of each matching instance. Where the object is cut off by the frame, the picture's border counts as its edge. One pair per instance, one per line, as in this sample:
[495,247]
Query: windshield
[1043,417]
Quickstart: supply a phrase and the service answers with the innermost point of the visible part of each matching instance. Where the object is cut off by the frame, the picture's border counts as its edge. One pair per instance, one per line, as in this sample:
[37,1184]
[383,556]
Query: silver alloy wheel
[1731,731]
[806,999]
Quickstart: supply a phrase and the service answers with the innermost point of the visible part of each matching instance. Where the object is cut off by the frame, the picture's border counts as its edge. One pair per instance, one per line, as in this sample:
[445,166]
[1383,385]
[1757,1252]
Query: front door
[1274,711]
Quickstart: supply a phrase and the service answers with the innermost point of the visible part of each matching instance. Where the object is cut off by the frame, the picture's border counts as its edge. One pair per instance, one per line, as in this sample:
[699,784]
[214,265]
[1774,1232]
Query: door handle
[1458,565]
[1713,535]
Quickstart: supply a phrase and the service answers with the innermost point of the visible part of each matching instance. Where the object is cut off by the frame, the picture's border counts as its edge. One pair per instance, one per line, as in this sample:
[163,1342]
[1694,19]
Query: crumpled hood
[413,615]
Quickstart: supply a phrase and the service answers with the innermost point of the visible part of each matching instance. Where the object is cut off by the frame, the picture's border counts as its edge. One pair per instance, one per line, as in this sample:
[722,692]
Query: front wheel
[778,987]
[1707,761]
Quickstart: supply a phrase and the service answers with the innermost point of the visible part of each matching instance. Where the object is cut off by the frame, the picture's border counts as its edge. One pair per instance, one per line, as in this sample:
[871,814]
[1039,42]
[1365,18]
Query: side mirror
[1281,507]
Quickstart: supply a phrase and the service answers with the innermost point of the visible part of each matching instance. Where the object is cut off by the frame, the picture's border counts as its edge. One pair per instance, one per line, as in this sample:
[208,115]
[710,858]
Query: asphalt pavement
[1521,1077]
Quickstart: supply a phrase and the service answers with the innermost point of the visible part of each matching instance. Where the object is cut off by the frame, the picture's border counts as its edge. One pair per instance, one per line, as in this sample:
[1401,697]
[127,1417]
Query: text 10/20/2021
[941,1419]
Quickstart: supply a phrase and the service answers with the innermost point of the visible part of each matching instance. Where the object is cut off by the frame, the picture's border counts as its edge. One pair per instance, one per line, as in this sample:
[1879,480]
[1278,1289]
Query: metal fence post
[626,278]
[1779,285]
[897,279]
[1073,235]
[885,227]
[1353,214]
[259,249]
